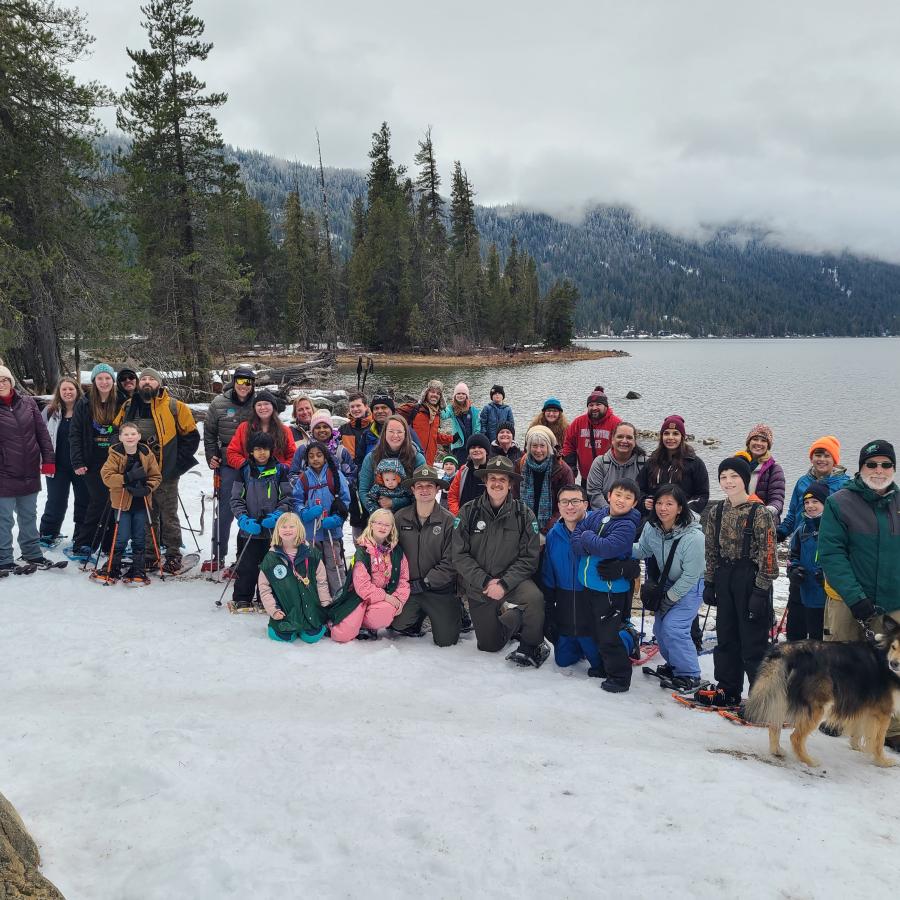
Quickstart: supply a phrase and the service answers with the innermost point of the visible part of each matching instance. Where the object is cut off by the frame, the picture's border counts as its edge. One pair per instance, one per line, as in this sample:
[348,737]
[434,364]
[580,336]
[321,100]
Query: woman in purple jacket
[767,478]
[26,453]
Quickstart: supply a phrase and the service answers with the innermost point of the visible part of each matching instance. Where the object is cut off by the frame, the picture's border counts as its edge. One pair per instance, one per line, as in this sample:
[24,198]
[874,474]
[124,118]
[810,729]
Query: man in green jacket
[496,550]
[859,551]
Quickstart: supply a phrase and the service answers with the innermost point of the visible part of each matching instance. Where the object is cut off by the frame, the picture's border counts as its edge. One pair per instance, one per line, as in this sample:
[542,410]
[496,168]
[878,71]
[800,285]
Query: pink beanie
[461,388]
[321,416]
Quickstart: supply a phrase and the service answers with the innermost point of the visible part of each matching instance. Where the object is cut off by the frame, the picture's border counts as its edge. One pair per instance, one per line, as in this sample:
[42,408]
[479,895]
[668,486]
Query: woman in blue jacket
[672,529]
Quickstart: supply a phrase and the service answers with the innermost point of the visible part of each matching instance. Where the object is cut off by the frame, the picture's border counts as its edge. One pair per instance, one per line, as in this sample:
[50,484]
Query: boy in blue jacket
[602,535]
[806,619]
[495,413]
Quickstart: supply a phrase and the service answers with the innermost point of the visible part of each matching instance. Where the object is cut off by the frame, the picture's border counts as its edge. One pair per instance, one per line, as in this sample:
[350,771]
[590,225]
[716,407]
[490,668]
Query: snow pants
[609,614]
[742,644]
[166,521]
[375,615]
[248,571]
[569,650]
[228,477]
[444,611]
[494,628]
[98,500]
[24,511]
[805,622]
[58,502]
[673,633]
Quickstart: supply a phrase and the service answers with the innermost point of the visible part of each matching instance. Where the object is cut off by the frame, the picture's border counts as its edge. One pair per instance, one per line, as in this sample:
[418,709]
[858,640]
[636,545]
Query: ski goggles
[243,381]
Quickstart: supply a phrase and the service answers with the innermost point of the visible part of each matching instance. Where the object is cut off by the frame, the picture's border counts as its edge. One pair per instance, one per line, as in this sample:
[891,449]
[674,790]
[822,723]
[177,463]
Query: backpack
[329,481]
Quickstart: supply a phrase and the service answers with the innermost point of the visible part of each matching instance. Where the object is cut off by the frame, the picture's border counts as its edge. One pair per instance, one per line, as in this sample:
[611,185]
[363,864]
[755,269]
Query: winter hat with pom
[598,395]
[391,465]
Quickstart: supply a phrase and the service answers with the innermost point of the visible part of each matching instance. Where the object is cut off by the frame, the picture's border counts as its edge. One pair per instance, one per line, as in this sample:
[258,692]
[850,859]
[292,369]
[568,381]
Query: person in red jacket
[264,418]
[425,419]
[589,434]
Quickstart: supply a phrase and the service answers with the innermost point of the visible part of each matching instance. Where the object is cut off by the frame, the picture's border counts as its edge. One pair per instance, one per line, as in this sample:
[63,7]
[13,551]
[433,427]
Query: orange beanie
[829,443]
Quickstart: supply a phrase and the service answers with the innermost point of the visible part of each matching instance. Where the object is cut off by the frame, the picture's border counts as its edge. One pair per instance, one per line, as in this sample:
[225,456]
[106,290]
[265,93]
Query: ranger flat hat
[426,473]
[498,465]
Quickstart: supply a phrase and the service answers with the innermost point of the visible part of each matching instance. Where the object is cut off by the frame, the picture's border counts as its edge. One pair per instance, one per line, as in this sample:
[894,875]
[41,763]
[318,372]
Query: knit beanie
[830,443]
[817,490]
[598,395]
[391,465]
[551,403]
[540,434]
[497,389]
[261,439]
[103,367]
[479,440]
[145,373]
[675,422]
[383,400]
[461,388]
[5,373]
[739,465]
[762,431]
[877,448]
[506,425]
[322,417]
[450,458]
[265,397]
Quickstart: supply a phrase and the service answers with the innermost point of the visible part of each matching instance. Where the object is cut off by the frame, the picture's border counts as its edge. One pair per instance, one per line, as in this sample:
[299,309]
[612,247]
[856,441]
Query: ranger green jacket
[490,543]
[426,546]
[859,544]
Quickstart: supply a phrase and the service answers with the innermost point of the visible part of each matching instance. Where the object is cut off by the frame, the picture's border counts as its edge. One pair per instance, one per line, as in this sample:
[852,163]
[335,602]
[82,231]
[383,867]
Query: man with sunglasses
[126,385]
[226,411]
[859,551]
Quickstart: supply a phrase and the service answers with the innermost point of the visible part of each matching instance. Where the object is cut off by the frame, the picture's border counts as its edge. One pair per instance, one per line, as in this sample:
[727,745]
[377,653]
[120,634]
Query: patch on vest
[534,525]
[437,529]
[280,571]
[480,525]
[456,522]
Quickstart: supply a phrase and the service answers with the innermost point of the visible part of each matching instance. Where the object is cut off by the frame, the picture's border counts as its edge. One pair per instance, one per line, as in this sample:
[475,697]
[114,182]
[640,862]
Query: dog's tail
[768,700]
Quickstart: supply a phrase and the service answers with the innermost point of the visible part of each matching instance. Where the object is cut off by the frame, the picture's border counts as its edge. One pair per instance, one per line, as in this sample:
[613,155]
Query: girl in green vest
[293,584]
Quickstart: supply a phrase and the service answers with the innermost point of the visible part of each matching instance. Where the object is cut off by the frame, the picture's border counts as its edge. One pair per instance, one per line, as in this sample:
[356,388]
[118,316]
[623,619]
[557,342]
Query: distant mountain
[632,276]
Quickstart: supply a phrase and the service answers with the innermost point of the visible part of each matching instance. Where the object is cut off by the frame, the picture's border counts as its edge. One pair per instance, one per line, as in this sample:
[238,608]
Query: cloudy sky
[695,113]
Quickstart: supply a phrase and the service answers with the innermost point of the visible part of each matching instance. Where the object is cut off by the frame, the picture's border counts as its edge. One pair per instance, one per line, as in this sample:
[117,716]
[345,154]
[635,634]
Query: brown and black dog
[851,686]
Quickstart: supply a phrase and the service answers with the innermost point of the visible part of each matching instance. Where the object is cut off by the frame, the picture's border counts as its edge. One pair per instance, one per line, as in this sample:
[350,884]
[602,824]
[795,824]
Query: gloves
[270,520]
[339,508]
[48,469]
[758,605]
[863,610]
[796,574]
[613,569]
[309,514]
[331,522]
[135,473]
[248,525]
[137,490]
[653,595]
[709,594]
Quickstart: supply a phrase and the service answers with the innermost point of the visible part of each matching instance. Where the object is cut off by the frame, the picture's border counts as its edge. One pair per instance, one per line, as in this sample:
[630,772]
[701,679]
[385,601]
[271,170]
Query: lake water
[849,387]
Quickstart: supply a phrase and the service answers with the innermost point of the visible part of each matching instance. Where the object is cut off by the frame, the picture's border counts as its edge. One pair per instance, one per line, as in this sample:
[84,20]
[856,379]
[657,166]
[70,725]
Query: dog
[851,686]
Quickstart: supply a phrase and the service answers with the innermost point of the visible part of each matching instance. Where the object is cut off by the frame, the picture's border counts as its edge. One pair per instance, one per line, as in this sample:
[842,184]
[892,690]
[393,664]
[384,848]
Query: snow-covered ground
[160,748]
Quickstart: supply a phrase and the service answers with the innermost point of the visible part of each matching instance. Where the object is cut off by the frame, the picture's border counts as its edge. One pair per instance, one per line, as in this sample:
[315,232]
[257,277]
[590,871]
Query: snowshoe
[49,541]
[212,565]
[716,698]
[259,608]
[174,566]
[664,672]
[77,554]
[101,577]
[527,655]
[367,634]
[49,564]
[684,685]
[136,580]
[7,569]
[241,606]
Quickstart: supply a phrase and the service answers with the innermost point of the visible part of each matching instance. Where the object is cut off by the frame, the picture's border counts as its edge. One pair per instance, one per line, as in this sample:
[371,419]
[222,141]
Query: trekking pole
[112,546]
[236,566]
[100,529]
[190,527]
[159,564]
[340,569]
[217,489]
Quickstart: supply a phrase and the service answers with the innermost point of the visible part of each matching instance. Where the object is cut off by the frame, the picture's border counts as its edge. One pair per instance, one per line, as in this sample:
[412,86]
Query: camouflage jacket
[731,539]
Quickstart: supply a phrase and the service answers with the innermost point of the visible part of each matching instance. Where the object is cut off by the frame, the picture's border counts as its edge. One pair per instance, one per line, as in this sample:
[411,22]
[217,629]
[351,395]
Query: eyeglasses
[577,501]
[871,464]
[243,381]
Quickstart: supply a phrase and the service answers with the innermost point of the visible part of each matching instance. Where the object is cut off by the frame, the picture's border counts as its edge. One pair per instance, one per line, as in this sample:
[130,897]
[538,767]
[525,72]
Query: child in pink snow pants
[378,607]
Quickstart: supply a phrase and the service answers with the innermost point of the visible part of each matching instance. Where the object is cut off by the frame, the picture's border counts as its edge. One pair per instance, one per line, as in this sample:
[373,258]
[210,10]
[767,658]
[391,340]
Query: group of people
[454,521]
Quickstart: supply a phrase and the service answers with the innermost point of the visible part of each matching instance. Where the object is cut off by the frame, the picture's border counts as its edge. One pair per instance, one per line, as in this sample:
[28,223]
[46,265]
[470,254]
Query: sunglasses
[128,378]
[871,464]
[244,381]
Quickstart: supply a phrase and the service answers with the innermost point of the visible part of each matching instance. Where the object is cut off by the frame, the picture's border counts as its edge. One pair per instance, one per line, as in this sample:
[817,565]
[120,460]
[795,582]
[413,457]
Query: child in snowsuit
[608,534]
[449,465]
[495,413]
[740,569]
[389,475]
[293,584]
[132,474]
[806,620]
[322,498]
[259,496]
[379,583]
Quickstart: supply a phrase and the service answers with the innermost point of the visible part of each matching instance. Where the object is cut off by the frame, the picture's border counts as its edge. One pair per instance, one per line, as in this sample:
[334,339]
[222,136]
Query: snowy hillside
[160,748]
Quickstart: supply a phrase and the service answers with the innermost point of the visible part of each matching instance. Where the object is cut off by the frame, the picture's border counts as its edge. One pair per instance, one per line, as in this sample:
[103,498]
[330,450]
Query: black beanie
[266,397]
[497,389]
[261,439]
[819,490]
[479,440]
[506,425]
[383,400]
[737,464]
[877,448]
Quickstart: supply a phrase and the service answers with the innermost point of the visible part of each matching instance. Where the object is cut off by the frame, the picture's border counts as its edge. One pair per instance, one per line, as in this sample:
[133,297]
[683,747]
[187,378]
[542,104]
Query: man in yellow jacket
[168,428]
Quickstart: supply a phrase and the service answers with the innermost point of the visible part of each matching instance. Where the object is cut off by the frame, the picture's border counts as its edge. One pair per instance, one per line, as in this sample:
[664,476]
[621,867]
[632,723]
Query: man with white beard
[859,551]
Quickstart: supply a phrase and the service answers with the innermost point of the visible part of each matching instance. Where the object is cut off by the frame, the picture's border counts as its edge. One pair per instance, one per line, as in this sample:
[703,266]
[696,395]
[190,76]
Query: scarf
[380,557]
[333,442]
[543,509]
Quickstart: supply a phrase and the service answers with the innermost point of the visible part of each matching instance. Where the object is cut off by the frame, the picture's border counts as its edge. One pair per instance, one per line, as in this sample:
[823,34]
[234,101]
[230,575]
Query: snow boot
[528,655]
[596,672]
[716,697]
[683,684]
[665,671]
[614,687]
[241,606]
[172,565]
[212,565]
[367,634]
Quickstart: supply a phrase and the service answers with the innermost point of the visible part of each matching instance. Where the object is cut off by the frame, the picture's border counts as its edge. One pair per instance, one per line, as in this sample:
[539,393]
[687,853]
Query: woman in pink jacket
[380,579]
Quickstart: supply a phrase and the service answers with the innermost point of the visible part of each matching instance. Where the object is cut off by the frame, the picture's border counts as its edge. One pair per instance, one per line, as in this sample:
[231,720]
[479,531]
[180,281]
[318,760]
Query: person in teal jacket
[465,419]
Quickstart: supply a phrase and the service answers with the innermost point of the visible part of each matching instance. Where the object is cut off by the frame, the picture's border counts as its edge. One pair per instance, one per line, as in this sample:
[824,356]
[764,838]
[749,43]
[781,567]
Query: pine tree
[59,270]
[299,271]
[432,234]
[181,185]
[466,284]
[559,314]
